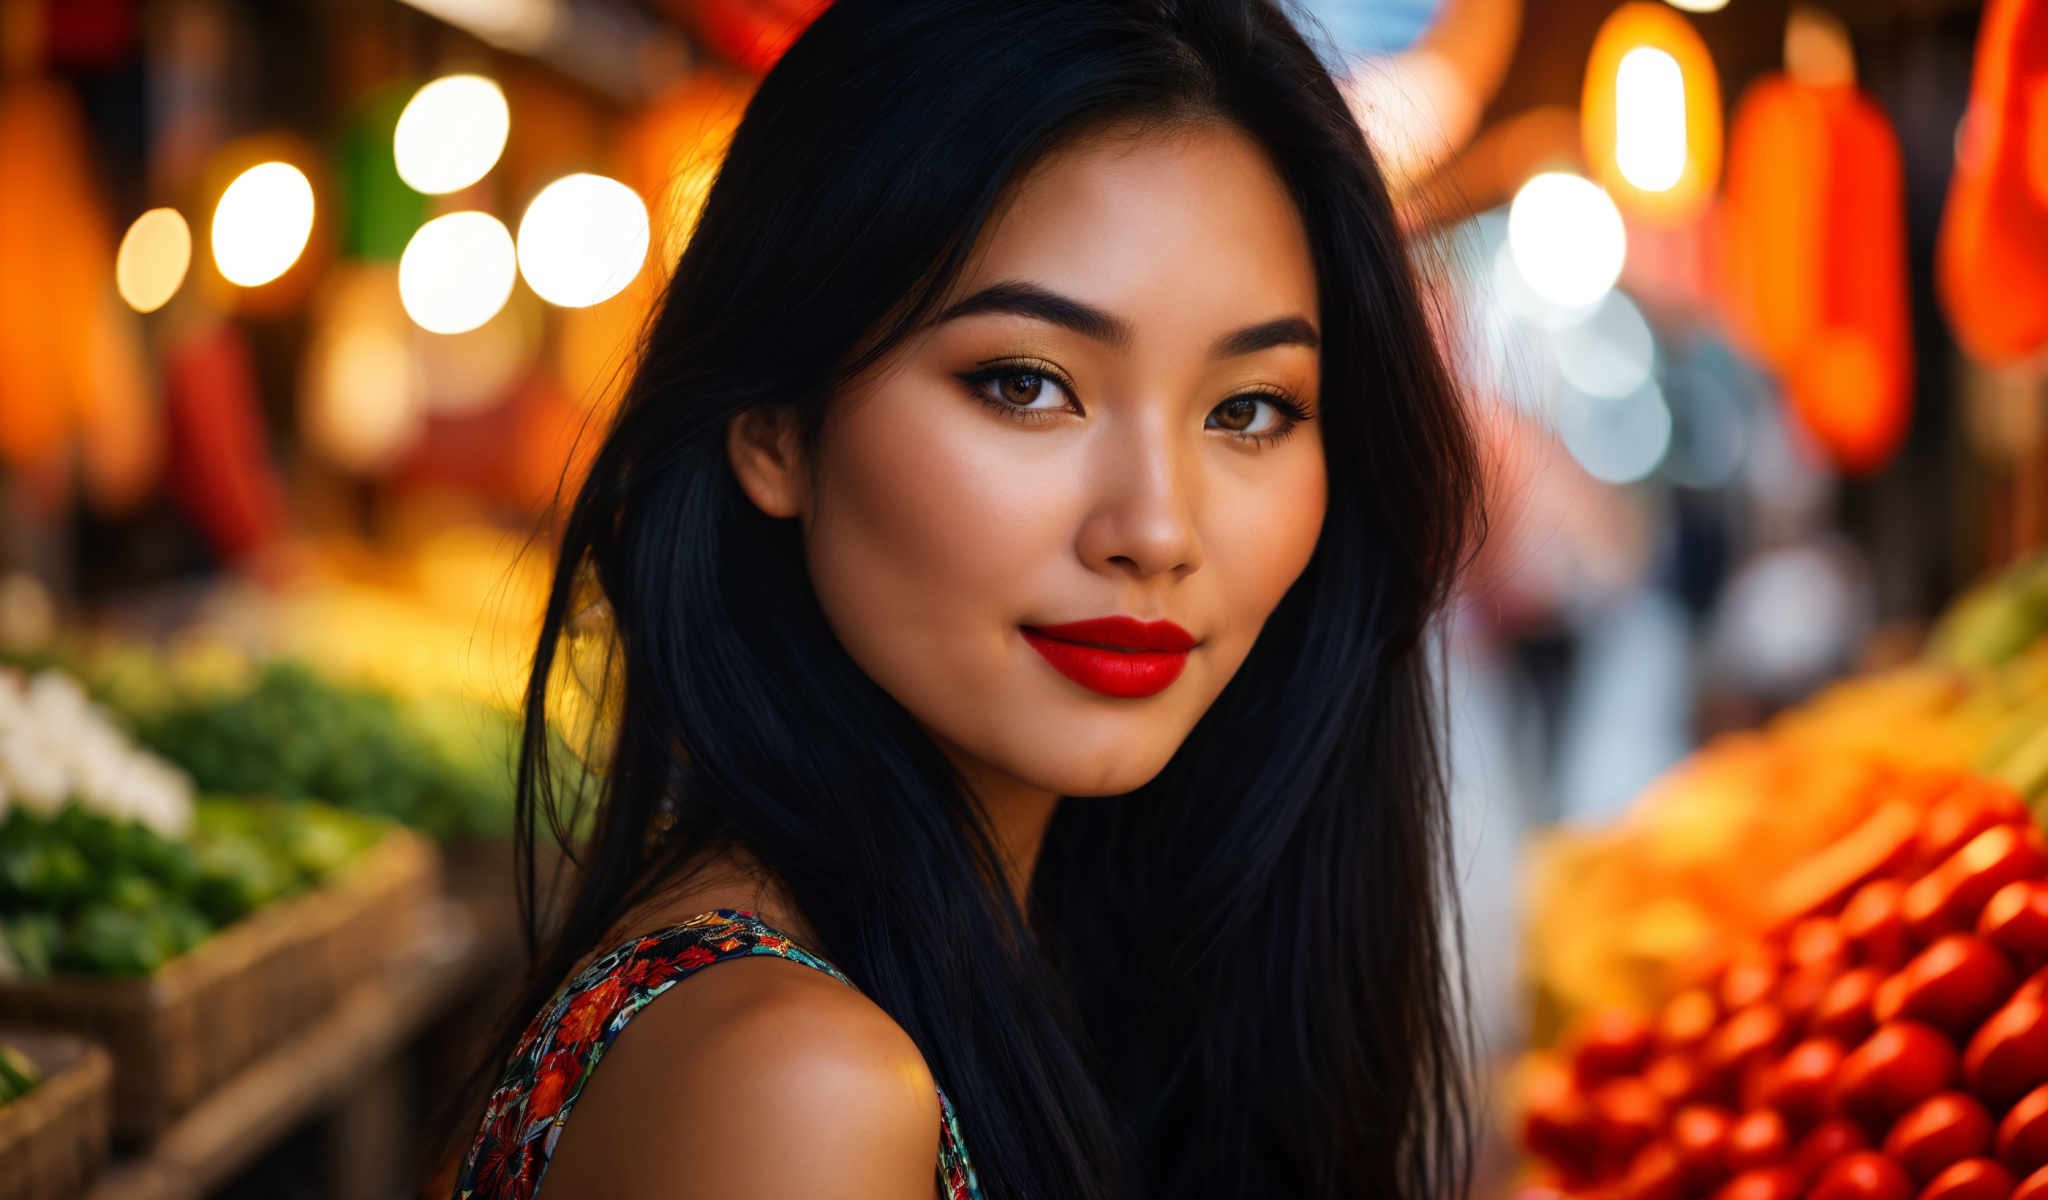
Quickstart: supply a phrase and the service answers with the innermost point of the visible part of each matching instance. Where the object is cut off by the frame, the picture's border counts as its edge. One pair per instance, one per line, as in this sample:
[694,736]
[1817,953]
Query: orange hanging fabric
[1813,275]
[1991,263]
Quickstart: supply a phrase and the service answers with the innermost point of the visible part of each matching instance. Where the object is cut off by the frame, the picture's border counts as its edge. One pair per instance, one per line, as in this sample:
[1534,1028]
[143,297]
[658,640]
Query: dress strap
[558,1052]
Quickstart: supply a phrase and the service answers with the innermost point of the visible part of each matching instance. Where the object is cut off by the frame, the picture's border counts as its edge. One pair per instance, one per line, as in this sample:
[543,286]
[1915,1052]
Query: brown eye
[1021,387]
[1237,413]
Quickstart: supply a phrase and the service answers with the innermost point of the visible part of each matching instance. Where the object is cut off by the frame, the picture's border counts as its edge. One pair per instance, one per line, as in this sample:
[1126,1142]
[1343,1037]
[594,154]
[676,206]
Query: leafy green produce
[18,1076]
[80,891]
[443,766]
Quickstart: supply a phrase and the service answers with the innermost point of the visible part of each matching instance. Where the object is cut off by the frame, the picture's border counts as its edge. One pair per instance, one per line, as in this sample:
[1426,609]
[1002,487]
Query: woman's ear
[762,445]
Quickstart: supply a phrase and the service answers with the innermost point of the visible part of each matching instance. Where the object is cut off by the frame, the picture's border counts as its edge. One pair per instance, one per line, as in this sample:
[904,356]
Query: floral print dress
[556,1055]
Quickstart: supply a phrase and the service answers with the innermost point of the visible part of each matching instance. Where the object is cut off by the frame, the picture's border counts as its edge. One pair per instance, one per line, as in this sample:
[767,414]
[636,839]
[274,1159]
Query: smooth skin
[1096,424]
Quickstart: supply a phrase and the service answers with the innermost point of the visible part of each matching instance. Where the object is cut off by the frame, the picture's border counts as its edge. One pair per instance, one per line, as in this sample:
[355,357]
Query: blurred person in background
[1018,548]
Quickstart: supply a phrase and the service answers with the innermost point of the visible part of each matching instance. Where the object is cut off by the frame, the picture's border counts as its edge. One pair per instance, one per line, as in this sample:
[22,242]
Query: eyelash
[1286,405]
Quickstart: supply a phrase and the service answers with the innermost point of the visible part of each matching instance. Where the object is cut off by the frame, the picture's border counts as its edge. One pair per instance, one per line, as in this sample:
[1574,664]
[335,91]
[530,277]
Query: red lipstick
[1116,656]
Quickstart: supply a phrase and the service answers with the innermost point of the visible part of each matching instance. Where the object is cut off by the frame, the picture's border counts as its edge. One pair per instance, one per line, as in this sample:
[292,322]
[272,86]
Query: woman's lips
[1116,656]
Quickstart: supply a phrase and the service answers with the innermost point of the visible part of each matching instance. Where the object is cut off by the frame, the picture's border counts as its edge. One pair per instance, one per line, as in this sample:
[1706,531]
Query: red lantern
[1991,263]
[752,33]
[1813,261]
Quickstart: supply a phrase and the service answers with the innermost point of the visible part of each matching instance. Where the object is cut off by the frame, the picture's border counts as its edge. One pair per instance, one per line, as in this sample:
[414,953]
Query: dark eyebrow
[1287,331]
[1030,300]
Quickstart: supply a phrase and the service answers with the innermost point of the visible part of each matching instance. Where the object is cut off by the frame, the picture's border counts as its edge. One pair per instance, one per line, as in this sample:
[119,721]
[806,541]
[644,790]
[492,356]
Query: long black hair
[1235,980]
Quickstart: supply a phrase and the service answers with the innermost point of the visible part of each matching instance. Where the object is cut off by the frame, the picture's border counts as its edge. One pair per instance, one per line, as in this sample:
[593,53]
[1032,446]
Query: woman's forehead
[1196,212]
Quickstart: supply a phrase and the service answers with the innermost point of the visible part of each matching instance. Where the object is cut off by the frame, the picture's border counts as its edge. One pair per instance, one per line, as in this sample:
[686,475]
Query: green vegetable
[108,941]
[32,939]
[18,1076]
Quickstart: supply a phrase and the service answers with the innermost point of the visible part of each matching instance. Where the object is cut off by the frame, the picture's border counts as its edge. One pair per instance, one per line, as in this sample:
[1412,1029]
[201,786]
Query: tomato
[1954,983]
[1750,977]
[1749,1038]
[1610,1044]
[1927,907]
[2015,920]
[2008,1057]
[1800,992]
[1827,1142]
[1764,1183]
[1799,1085]
[1951,823]
[1816,940]
[1674,1078]
[1758,1139]
[1889,1000]
[2033,1187]
[2000,855]
[1844,1009]
[1557,1122]
[1938,1131]
[1971,1179]
[1895,1068]
[1863,1175]
[2023,1133]
[1655,1174]
[1627,1114]
[1873,925]
[1687,1019]
[1699,1135]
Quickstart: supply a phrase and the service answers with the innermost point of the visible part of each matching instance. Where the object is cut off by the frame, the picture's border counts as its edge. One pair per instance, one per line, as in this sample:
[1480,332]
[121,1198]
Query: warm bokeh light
[451,133]
[1699,6]
[154,255]
[582,240]
[456,272]
[1649,119]
[1650,114]
[1566,238]
[262,222]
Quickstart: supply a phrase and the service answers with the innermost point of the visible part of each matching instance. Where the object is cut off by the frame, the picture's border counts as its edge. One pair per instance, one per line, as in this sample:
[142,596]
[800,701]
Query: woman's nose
[1146,484]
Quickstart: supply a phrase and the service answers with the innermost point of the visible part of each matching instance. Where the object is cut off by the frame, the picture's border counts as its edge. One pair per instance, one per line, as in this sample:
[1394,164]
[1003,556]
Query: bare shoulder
[754,1077]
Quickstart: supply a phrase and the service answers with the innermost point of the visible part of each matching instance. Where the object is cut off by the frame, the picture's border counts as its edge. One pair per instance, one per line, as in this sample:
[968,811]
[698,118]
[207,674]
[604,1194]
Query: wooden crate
[179,1032]
[54,1140]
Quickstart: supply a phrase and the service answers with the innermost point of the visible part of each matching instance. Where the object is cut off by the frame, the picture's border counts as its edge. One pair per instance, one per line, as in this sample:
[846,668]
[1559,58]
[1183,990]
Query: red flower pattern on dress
[556,1055]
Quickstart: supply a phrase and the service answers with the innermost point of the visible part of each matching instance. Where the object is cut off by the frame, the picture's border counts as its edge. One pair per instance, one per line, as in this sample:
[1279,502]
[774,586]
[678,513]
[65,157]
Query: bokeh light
[456,272]
[1610,352]
[1566,238]
[1649,119]
[451,133]
[154,255]
[582,240]
[1698,6]
[1617,440]
[262,222]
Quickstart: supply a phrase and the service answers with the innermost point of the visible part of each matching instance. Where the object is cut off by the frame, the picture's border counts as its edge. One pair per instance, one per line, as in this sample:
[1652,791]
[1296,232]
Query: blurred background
[307,309]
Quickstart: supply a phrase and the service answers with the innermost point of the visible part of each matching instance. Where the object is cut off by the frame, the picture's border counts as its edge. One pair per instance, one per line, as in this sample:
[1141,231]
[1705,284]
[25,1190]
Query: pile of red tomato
[1888,1039]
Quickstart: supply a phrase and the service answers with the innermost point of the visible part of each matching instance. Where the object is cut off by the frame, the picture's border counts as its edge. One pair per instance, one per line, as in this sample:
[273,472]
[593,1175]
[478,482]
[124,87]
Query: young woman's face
[1114,415]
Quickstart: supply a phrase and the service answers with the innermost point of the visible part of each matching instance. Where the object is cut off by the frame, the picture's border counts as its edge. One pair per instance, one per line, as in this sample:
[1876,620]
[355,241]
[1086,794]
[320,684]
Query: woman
[1020,537]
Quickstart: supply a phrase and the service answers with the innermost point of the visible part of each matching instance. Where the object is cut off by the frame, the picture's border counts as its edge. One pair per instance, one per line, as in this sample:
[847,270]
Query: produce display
[18,1076]
[1886,1036]
[83,892]
[440,765]
[1620,916]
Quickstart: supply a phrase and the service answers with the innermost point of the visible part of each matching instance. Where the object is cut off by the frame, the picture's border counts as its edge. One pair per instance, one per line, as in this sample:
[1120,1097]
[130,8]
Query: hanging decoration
[1812,261]
[1651,113]
[220,457]
[1991,261]
[751,34]
[71,358]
